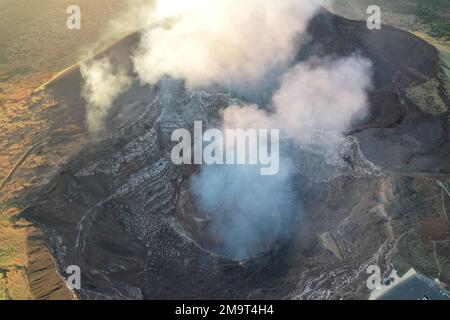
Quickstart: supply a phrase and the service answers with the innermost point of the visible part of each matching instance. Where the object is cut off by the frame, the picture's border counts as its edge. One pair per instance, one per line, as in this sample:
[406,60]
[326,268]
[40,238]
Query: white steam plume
[213,41]
[314,95]
[204,42]
[102,85]
[249,210]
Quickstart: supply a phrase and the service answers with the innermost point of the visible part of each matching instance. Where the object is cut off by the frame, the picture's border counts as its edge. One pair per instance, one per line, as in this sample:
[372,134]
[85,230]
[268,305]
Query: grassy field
[445,55]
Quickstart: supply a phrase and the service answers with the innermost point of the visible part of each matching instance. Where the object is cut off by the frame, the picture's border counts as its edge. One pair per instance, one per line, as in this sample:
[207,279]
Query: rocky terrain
[123,212]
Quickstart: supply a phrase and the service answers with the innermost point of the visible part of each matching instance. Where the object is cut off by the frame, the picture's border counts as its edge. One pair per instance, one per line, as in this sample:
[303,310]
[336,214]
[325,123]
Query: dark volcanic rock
[113,212]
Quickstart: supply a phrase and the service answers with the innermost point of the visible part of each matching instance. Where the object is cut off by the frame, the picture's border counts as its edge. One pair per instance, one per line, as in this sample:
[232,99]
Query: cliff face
[402,132]
[122,211]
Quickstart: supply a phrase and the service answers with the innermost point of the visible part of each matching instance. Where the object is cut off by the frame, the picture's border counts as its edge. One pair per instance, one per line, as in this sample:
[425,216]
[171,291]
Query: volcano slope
[123,212]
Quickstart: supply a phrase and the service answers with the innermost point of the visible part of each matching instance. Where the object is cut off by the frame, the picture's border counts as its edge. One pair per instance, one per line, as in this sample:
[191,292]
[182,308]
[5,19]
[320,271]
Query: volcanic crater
[123,212]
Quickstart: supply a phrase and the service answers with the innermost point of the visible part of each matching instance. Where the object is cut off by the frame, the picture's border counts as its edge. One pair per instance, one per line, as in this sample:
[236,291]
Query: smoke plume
[102,85]
[314,95]
[249,210]
[215,41]
[202,41]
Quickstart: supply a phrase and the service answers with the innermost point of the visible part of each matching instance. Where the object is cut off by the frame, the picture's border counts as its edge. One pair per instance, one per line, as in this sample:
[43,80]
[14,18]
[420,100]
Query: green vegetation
[445,56]
[18,71]
[435,14]
[431,17]
[426,97]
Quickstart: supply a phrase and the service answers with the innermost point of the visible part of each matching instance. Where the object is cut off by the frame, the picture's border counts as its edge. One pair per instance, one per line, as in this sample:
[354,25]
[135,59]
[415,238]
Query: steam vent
[368,186]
